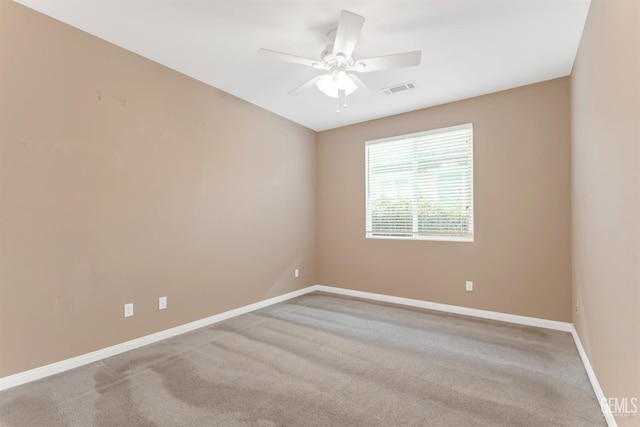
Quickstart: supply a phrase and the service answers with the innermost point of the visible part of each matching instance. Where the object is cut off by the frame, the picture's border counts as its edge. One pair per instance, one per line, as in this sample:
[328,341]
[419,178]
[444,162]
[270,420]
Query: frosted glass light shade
[330,84]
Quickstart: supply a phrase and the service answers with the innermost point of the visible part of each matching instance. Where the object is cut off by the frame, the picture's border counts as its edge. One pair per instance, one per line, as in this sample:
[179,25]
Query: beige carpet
[325,360]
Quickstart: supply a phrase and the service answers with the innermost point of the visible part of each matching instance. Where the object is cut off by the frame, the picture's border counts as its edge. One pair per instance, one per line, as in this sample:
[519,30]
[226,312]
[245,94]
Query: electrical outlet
[296,272]
[128,310]
[162,303]
[469,285]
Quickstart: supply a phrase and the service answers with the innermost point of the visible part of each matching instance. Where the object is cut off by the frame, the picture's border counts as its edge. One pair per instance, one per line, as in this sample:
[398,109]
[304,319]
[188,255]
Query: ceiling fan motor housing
[337,62]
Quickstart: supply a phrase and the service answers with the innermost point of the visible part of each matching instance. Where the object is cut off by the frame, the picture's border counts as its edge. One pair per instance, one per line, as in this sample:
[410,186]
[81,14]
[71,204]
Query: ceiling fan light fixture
[337,61]
[330,84]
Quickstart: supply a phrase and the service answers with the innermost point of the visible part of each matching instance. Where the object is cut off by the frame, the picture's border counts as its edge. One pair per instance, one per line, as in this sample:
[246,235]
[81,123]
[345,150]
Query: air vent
[399,88]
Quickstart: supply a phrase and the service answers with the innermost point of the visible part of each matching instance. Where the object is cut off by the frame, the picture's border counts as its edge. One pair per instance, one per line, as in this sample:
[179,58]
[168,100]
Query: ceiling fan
[337,60]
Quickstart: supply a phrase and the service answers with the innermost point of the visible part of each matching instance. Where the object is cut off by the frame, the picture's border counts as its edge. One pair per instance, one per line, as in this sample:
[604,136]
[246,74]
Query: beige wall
[520,261]
[606,196]
[123,181]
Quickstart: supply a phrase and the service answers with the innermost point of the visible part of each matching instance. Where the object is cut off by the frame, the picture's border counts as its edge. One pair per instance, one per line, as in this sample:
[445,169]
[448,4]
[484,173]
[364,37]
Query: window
[420,186]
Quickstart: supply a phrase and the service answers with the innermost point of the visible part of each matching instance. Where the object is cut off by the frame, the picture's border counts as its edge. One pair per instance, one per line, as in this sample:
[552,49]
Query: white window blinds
[420,186]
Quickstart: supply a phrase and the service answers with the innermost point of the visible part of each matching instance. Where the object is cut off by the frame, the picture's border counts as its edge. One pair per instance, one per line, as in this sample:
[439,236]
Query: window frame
[418,237]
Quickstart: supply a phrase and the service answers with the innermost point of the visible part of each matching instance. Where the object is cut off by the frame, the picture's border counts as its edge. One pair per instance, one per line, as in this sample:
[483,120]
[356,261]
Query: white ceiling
[469,47]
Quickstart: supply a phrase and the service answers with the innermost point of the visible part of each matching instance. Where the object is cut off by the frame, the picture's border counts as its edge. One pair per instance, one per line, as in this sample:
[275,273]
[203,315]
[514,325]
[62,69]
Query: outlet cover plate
[128,310]
[162,303]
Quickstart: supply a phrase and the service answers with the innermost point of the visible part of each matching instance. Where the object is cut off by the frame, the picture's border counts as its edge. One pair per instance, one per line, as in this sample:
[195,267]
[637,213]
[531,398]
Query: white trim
[94,356]
[421,134]
[608,416]
[474,312]
[84,359]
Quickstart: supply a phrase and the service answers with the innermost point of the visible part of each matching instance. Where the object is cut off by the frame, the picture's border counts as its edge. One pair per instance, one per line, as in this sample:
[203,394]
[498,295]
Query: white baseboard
[485,314]
[611,422]
[84,359]
[94,356]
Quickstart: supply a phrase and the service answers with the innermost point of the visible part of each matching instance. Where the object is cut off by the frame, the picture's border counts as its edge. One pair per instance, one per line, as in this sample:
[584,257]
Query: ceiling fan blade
[398,60]
[347,33]
[305,86]
[363,87]
[291,58]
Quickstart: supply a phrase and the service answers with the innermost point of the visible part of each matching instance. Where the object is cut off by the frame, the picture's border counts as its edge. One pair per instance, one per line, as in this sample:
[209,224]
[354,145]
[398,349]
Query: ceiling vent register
[399,88]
